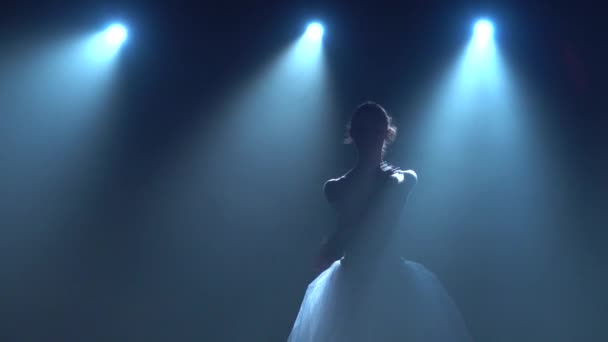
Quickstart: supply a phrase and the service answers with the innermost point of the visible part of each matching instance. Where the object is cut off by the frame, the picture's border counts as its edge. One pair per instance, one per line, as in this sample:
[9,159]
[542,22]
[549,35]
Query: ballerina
[366,291]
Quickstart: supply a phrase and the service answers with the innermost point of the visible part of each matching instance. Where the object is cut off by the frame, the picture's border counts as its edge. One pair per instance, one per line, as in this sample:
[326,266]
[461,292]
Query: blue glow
[115,35]
[104,45]
[308,48]
[480,65]
[483,31]
[314,32]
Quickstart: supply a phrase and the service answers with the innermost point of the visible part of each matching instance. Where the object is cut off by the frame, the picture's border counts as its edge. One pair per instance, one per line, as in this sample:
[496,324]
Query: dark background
[177,226]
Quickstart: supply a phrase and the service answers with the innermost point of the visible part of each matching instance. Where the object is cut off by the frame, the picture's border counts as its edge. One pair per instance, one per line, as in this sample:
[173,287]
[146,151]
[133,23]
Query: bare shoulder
[421,272]
[404,177]
[331,188]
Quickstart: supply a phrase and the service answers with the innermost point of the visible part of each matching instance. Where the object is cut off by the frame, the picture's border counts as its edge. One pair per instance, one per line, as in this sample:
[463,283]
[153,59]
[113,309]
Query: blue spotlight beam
[483,30]
[106,44]
[308,48]
[314,32]
[483,35]
[115,35]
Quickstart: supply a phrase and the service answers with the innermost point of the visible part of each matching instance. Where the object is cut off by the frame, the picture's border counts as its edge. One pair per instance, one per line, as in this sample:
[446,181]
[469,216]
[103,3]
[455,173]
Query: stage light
[483,31]
[308,48]
[104,45]
[115,35]
[314,32]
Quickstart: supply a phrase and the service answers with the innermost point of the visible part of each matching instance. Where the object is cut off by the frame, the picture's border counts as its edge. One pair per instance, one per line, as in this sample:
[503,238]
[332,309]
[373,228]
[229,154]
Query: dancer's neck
[368,163]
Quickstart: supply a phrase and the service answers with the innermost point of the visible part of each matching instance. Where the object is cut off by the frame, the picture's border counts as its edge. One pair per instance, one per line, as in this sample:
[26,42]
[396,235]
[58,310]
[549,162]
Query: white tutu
[399,302]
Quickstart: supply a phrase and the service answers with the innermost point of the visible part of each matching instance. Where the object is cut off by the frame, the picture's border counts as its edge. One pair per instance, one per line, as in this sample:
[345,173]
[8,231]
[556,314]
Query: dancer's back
[368,205]
[371,293]
[368,293]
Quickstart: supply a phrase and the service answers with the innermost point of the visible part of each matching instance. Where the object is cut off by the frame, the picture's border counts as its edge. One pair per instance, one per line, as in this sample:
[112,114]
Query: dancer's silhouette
[366,291]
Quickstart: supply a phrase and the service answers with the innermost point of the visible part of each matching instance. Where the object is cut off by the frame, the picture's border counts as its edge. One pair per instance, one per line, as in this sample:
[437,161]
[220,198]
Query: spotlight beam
[106,44]
[483,32]
[314,32]
[115,35]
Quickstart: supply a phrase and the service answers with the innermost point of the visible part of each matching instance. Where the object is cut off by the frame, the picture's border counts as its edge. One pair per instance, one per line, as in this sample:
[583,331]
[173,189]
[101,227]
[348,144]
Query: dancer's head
[371,129]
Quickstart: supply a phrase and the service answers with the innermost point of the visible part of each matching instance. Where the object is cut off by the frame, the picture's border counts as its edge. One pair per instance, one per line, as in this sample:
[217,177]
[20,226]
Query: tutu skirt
[382,303]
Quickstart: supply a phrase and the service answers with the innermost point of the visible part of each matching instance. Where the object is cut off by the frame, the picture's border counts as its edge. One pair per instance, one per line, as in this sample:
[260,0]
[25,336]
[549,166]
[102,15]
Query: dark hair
[370,116]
